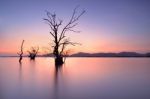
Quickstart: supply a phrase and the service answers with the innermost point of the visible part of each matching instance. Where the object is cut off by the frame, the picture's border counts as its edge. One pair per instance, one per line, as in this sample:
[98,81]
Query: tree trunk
[20,58]
[59,60]
[58,57]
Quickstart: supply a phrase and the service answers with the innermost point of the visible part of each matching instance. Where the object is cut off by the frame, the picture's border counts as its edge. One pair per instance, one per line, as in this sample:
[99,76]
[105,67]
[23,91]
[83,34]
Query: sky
[107,25]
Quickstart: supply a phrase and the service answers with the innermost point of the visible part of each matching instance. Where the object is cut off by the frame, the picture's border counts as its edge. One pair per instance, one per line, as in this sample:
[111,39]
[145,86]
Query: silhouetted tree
[21,52]
[58,33]
[33,52]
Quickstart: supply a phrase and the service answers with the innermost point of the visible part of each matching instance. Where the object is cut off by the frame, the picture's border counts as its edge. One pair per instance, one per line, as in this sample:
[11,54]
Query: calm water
[79,78]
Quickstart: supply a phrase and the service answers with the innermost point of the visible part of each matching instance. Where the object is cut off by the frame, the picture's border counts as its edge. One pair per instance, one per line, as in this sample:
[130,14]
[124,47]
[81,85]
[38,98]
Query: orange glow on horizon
[11,45]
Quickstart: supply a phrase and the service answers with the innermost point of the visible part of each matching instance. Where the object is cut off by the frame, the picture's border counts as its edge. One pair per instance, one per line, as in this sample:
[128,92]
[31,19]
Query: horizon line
[39,55]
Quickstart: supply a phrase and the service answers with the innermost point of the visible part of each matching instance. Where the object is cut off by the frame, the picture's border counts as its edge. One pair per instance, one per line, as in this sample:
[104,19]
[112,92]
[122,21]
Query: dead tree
[21,52]
[33,52]
[58,33]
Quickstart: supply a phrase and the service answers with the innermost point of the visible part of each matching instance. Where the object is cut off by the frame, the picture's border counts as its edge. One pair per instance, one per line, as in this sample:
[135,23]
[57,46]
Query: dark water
[79,78]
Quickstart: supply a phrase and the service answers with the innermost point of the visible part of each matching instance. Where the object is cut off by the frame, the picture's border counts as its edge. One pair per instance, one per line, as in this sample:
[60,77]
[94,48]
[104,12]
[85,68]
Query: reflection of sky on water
[79,78]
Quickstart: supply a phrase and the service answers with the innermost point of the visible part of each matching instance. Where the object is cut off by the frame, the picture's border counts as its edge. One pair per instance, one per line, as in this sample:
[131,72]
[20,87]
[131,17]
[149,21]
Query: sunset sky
[107,25]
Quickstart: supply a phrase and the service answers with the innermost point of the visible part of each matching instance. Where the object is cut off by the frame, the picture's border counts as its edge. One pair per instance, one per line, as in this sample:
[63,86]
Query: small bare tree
[33,52]
[58,33]
[21,52]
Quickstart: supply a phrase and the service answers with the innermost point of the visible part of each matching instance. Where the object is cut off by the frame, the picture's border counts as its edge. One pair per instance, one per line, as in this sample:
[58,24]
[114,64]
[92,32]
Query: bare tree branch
[52,34]
[71,23]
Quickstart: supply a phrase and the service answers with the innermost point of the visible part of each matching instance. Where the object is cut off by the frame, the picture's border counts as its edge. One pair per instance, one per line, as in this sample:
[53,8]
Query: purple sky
[107,25]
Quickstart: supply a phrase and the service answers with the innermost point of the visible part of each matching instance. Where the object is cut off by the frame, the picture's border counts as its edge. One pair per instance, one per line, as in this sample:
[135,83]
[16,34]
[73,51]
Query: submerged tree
[21,52]
[33,52]
[58,33]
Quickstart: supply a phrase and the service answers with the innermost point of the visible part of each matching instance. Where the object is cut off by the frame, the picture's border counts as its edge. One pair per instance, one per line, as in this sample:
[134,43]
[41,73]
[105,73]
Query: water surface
[78,78]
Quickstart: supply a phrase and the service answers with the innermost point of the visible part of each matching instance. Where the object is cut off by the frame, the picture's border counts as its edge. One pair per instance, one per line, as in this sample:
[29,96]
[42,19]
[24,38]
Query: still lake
[78,78]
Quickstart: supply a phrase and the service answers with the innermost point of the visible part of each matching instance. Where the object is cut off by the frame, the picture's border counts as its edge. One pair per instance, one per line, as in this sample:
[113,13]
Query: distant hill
[47,55]
[121,54]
